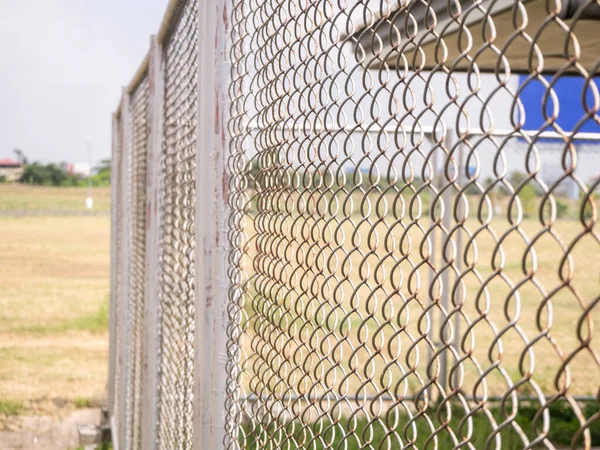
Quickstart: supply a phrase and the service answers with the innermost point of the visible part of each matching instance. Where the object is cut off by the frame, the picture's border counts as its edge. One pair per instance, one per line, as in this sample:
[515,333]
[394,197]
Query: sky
[63,64]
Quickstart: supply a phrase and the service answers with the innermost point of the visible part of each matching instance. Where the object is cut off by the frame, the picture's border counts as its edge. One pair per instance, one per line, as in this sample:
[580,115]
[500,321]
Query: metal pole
[114,255]
[212,210]
[125,318]
[149,412]
[445,300]
[433,257]
[88,147]
[88,201]
[459,238]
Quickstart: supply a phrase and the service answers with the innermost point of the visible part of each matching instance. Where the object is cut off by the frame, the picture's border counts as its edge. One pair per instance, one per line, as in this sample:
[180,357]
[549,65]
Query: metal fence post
[211,238]
[431,335]
[445,265]
[124,319]
[461,212]
[113,266]
[153,220]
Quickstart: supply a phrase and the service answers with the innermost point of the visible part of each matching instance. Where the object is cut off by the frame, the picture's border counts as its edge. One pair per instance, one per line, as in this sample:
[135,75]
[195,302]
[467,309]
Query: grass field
[341,307]
[19,197]
[54,278]
[524,321]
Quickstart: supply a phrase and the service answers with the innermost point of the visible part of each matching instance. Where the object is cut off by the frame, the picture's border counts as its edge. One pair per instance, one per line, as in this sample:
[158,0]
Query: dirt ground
[46,432]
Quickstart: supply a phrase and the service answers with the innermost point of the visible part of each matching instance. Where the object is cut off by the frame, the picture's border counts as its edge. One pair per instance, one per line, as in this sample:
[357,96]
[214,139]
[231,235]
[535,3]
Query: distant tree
[103,166]
[101,175]
[517,178]
[527,196]
[20,156]
[48,175]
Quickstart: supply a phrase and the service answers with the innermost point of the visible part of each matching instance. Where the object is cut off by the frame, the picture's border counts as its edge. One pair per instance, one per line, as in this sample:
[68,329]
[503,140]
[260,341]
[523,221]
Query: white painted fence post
[124,319]
[444,255]
[153,223]
[212,209]
[113,266]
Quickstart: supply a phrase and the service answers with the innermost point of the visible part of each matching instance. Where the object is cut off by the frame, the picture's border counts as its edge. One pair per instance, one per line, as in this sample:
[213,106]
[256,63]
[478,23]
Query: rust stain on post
[216,29]
[148,215]
[217,121]
[225,18]
[209,296]
[225,186]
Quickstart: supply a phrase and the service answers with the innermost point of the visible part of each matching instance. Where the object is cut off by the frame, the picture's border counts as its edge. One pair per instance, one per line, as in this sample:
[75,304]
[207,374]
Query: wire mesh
[139,125]
[411,263]
[177,234]
[413,228]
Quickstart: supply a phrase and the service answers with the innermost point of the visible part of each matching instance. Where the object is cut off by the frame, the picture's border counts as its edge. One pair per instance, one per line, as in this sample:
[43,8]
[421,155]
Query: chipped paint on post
[211,212]
[151,302]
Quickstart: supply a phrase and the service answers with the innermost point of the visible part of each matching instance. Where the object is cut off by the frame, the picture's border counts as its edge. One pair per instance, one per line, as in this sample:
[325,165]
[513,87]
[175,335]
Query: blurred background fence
[358,225]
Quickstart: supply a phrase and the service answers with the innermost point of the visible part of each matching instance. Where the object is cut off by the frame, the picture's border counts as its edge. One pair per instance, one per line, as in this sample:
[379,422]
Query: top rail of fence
[170,18]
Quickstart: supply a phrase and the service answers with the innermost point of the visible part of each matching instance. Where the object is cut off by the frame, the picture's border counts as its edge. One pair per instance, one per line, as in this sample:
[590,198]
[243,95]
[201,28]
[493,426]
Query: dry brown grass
[55,289]
[53,307]
[22,197]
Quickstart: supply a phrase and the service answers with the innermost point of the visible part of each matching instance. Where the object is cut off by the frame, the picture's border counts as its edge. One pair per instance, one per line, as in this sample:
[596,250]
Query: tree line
[51,174]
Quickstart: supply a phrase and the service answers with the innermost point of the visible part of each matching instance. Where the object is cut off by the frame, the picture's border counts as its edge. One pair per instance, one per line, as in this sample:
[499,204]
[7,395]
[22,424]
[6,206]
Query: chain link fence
[137,201]
[177,297]
[359,225]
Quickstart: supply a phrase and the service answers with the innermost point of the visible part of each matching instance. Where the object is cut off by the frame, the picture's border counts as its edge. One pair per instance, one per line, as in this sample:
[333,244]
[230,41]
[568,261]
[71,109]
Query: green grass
[394,432]
[94,322]
[82,402]
[11,407]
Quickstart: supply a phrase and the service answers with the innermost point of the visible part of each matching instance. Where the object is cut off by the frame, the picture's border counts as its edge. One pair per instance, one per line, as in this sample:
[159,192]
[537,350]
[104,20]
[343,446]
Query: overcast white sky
[62,66]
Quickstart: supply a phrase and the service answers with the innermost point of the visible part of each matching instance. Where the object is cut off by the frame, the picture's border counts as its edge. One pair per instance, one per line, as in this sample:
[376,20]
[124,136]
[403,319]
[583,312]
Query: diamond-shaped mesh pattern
[410,267]
[139,126]
[177,234]
[413,228]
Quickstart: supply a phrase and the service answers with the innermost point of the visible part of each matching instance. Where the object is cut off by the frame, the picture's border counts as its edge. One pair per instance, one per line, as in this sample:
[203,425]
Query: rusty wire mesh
[139,126]
[414,259]
[177,234]
[404,273]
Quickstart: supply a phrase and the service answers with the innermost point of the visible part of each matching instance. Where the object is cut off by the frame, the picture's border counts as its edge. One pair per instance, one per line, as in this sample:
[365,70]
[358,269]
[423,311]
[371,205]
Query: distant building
[82,169]
[10,169]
